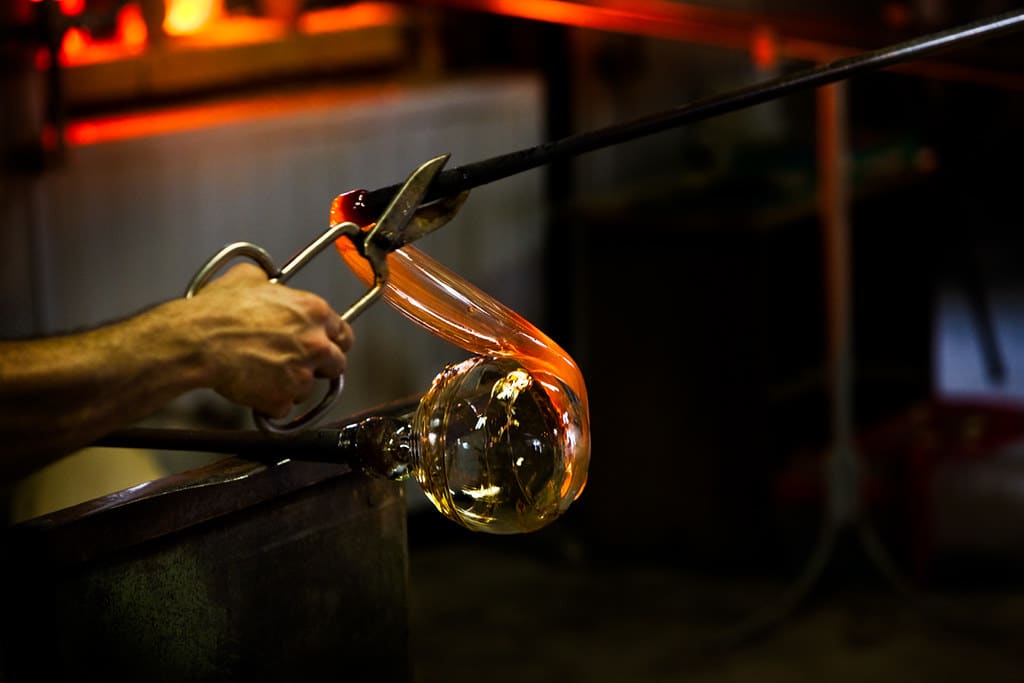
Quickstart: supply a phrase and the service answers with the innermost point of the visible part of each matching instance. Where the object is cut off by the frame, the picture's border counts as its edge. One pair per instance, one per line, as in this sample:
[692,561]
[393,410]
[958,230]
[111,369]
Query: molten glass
[500,442]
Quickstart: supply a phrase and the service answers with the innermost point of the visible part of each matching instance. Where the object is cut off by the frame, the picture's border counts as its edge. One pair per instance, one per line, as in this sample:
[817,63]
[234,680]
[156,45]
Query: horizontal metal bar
[332,444]
[322,445]
[456,180]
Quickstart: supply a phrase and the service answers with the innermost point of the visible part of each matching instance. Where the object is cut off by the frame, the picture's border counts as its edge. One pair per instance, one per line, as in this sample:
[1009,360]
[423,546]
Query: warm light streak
[83,134]
[675,21]
[172,120]
[110,128]
[569,13]
[358,15]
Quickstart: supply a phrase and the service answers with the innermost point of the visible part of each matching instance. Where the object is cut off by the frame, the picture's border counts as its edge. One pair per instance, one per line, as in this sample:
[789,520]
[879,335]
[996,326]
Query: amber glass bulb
[501,442]
[491,448]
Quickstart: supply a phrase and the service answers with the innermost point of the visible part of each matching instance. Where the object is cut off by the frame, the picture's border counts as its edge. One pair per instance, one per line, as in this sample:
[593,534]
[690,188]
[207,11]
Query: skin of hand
[257,343]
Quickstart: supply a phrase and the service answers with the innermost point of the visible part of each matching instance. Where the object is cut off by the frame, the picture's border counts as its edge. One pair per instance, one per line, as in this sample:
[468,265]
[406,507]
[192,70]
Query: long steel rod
[456,180]
[322,445]
[327,444]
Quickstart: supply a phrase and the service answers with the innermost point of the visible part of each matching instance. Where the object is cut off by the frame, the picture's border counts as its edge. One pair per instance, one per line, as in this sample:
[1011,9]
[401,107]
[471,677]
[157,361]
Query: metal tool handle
[225,256]
[280,276]
[380,274]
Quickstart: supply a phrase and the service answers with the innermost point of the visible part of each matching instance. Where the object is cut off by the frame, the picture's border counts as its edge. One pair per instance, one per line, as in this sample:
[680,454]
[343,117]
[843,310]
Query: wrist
[178,344]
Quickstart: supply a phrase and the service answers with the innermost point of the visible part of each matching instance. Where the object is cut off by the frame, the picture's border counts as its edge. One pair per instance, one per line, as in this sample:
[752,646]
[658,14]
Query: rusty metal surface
[239,571]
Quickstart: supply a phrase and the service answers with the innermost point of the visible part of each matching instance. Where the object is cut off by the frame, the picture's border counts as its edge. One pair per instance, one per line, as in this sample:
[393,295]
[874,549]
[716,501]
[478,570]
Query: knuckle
[315,306]
[247,270]
[315,346]
[347,337]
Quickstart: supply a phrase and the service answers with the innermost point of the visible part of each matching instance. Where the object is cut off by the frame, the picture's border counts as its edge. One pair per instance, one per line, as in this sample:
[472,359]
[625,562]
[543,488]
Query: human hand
[266,343]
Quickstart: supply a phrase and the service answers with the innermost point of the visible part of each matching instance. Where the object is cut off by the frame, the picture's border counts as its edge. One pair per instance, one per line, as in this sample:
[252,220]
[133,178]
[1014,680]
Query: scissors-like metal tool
[402,222]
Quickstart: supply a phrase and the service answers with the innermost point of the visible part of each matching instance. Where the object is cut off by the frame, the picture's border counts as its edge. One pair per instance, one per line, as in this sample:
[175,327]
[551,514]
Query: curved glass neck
[455,310]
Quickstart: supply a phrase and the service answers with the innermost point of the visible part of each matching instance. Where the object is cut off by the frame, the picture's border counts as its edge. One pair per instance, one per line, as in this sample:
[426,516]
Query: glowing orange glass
[502,440]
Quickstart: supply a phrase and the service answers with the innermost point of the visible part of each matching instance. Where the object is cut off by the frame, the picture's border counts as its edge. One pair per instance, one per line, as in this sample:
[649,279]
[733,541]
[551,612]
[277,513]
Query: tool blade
[398,225]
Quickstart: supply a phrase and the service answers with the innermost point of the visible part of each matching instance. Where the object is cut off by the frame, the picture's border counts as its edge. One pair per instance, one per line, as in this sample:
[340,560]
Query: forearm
[60,394]
[257,343]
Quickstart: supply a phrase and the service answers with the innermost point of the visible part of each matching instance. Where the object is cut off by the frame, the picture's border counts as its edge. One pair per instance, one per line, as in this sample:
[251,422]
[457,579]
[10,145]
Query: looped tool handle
[262,258]
[387,234]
